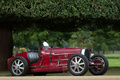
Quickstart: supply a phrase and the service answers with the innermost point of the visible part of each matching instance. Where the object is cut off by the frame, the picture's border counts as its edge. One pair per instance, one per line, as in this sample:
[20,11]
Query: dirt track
[61,78]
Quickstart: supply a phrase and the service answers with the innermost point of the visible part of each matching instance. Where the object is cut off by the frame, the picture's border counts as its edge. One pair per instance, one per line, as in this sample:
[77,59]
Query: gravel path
[61,78]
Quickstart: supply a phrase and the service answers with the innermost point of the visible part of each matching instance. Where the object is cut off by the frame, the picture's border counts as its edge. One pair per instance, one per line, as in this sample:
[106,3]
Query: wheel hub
[16,67]
[76,65]
[98,64]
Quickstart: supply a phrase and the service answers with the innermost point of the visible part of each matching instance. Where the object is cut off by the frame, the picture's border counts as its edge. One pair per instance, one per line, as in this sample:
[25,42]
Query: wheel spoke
[79,60]
[14,66]
[17,71]
[78,69]
[73,62]
[72,66]
[76,59]
[15,63]
[81,63]
[20,71]
[81,67]
[18,61]
[21,64]
[14,69]
[21,68]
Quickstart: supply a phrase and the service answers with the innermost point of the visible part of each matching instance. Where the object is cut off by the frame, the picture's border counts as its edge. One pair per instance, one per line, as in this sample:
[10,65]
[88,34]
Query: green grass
[5,73]
[114,62]
[112,55]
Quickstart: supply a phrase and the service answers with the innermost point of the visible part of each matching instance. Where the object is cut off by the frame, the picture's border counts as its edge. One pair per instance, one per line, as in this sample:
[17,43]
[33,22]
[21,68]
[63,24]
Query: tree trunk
[98,52]
[6,44]
[103,52]
[113,51]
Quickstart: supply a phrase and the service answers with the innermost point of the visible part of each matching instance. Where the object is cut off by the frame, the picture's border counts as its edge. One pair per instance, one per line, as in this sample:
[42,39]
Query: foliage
[107,36]
[104,47]
[81,39]
[94,40]
[61,8]
[58,39]
[97,41]
[61,13]
[34,37]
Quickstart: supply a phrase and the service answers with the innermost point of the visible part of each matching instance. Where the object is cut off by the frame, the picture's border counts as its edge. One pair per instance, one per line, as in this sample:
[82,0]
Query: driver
[46,45]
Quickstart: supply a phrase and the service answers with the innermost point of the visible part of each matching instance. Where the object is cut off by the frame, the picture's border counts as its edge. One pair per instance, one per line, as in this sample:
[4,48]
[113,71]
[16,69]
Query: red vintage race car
[75,60]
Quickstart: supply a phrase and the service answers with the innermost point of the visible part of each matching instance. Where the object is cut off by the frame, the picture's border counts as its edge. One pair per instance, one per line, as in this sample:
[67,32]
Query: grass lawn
[112,55]
[5,73]
[114,62]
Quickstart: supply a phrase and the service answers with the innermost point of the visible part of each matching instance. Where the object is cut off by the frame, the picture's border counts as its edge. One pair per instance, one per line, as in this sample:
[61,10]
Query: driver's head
[45,44]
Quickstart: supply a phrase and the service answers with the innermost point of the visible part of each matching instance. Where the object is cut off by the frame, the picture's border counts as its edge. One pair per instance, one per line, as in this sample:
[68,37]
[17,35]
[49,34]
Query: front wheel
[18,66]
[78,64]
[101,65]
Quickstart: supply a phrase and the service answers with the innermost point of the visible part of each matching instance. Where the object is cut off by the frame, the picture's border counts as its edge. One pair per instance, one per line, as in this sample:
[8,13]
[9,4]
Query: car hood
[66,50]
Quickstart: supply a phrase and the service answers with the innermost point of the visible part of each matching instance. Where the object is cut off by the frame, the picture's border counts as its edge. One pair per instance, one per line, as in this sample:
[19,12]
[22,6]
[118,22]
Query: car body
[53,60]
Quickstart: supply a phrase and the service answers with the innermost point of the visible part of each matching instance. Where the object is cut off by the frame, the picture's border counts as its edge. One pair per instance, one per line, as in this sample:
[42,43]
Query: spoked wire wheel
[18,66]
[78,64]
[101,65]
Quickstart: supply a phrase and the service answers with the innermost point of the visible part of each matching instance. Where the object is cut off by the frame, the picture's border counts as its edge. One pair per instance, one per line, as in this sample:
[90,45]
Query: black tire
[104,66]
[18,66]
[40,74]
[78,64]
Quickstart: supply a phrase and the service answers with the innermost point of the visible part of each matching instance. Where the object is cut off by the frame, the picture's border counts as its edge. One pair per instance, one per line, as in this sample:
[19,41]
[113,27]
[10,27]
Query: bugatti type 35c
[49,59]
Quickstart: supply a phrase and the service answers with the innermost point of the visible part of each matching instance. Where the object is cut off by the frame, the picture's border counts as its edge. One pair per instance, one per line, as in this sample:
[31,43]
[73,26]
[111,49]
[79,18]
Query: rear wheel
[78,64]
[18,66]
[101,65]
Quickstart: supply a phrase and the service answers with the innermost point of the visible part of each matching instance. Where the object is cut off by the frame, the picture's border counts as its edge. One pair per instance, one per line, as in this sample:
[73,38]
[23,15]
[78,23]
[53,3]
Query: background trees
[81,39]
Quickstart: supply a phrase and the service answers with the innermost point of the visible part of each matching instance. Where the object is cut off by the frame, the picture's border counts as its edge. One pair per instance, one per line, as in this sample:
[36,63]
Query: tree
[5,44]
[97,41]
[33,37]
[81,39]
[113,44]
[104,47]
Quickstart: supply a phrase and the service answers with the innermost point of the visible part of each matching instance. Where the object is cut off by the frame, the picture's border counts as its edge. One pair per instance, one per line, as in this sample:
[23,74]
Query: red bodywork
[51,59]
